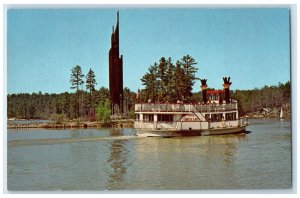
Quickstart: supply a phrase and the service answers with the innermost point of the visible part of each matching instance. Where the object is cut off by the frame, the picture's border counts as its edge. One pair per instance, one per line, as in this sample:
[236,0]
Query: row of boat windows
[219,117]
[169,117]
[160,118]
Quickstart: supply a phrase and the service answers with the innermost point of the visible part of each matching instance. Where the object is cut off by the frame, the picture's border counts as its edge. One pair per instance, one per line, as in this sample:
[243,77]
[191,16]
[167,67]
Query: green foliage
[129,101]
[90,81]
[90,86]
[131,114]
[58,118]
[103,111]
[102,95]
[188,78]
[42,106]
[39,105]
[266,97]
[76,77]
[151,84]
[196,97]
[165,81]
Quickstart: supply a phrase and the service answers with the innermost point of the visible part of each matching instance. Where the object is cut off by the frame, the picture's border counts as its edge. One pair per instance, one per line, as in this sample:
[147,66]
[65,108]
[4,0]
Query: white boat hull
[168,133]
[180,133]
[223,131]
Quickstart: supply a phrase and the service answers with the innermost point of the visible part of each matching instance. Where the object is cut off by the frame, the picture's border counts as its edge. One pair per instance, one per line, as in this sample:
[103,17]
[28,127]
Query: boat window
[230,116]
[207,117]
[148,117]
[165,118]
[216,117]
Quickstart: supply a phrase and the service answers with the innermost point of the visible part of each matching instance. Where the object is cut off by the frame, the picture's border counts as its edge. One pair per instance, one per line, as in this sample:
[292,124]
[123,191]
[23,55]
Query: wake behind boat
[211,117]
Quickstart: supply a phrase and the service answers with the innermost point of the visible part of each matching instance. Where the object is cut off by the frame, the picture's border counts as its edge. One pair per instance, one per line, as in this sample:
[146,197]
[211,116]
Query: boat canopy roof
[215,91]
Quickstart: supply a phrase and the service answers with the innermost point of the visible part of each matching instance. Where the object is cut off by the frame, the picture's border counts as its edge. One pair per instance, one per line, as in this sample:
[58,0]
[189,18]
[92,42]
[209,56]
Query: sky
[252,46]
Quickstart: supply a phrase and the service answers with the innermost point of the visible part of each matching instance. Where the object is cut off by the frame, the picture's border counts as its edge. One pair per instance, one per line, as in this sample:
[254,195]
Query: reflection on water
[115,159]
[187,163]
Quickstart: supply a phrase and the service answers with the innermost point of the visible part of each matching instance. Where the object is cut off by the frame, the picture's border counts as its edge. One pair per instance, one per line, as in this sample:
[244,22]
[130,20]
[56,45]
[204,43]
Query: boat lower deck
[180,133]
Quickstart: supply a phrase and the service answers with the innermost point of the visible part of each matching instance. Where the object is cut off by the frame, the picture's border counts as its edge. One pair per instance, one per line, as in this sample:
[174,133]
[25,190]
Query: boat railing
[179,125]
[165,107]
[156,125]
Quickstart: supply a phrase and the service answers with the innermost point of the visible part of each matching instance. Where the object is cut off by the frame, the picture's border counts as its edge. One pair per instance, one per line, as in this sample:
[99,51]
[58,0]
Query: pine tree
[162,80]
[170,82]
[178,80]
[151,83]
[166,82]
[187,64]
[76,81]
[90,85]
[76,77]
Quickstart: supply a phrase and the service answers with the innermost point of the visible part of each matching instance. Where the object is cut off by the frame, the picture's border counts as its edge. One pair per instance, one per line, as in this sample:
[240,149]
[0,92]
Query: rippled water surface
[116,159]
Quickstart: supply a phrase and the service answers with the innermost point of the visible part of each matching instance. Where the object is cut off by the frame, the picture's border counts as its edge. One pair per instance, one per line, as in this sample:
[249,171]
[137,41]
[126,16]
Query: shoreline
[69,125]
[126,123]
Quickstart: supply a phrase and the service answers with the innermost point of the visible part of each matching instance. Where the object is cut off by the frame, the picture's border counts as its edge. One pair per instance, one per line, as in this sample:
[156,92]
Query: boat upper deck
[167,107]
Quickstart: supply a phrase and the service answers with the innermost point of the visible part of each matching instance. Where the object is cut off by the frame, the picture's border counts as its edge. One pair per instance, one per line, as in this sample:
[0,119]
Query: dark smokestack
[226,85]
[220,98]
[204,87]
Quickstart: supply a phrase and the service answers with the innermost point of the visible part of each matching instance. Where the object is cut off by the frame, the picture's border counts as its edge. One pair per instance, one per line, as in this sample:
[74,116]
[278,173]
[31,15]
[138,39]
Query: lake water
[116,159]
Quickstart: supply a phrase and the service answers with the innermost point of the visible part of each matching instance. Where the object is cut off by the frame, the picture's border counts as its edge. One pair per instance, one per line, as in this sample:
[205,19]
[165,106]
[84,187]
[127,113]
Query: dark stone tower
[115,73]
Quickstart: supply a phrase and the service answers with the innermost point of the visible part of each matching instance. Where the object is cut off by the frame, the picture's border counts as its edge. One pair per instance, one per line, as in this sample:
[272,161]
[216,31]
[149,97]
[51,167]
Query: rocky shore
[85,124]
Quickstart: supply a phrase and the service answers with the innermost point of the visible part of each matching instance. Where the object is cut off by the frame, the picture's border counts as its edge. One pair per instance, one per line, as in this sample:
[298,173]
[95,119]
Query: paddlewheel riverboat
[213,116]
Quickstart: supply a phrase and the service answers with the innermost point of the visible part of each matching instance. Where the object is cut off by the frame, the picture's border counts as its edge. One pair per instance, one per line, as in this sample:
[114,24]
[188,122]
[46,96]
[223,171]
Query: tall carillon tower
[115,73]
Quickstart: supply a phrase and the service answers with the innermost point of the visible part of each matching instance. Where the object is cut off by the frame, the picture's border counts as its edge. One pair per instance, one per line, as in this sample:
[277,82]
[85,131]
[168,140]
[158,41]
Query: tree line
[44,105]
[164,82]
[89,104]
[265,97]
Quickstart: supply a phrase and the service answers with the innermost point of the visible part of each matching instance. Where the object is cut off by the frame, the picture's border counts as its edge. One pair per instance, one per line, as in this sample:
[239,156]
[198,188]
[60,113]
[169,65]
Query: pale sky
[252,46]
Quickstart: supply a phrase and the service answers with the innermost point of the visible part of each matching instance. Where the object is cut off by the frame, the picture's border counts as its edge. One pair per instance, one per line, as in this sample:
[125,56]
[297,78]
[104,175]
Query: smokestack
[204,91]
[220,97]
[226,85]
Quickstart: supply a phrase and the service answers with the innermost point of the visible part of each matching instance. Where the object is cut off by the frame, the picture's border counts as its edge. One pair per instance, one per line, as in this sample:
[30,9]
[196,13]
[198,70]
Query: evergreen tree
[102,95]
[129,101]
[76,77]
[166,82]
[151,84]
[178,81]
[170,82]
[76,81]
[162,80]
[90,85]
[188,65]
